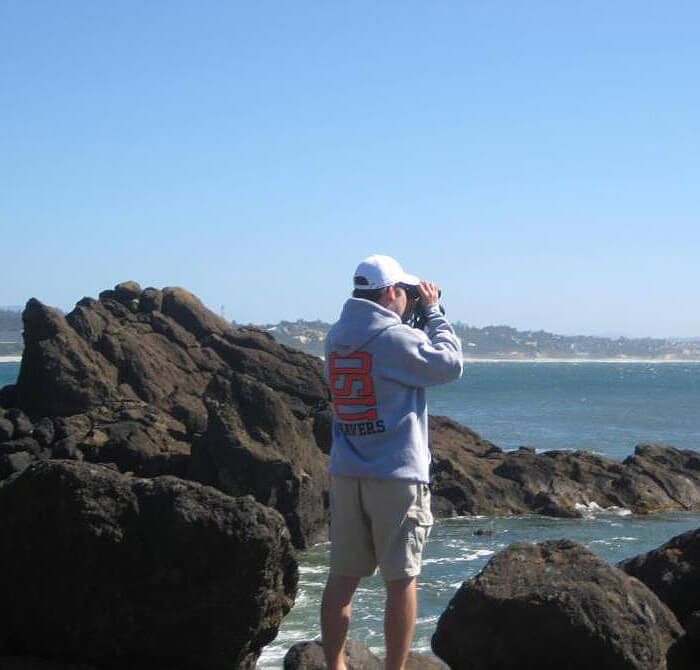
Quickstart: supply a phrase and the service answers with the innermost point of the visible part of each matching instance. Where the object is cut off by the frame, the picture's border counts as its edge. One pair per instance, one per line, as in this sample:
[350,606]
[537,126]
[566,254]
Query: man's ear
[388,296]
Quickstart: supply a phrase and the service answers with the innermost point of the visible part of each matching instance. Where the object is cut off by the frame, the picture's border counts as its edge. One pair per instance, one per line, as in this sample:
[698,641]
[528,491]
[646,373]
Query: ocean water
[603,407]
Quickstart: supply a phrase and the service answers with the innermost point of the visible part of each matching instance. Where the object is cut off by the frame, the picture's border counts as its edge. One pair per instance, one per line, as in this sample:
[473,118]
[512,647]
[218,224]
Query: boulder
[171,388]
[555,605]
[127,291]
[7,429]
[116,571]
[309,656]
[672,572]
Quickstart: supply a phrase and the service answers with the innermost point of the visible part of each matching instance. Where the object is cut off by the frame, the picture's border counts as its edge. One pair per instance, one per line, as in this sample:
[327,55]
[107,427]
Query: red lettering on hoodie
[351,386]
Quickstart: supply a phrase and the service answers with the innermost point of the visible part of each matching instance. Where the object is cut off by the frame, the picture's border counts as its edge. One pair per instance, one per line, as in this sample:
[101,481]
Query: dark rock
[32,663]
[122,572]
[7,429]
[13,462]
[672,572]
[309,656]
[692,626]
[151,300]
[424,662]
[60,374]
[22,423]
[44,431]
[472,476]
[8,396]
[554,605]
[187,310]
[137,389]
[127,291]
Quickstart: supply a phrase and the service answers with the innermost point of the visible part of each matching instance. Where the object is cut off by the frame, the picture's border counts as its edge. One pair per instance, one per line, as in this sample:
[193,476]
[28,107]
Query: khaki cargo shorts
[378,522]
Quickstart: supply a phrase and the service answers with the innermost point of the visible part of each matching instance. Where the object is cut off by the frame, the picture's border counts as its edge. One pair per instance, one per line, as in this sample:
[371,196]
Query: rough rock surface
[672,572]
[554,605]
[101,568]
[309,656]
[473,476]
[153,381]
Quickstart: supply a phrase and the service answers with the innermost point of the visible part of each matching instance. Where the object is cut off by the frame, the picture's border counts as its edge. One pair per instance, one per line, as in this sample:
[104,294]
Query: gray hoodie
[378,368]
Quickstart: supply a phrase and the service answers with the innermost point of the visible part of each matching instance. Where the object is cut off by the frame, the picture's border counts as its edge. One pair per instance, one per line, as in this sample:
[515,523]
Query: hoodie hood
[360,321]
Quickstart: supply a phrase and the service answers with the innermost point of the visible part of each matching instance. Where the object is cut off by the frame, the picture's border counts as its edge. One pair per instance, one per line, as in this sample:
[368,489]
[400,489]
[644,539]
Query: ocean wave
[312,570]
[593,509]
[612,540]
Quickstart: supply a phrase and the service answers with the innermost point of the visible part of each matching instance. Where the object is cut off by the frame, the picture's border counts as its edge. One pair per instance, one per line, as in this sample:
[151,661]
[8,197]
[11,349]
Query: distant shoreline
[580,360]
[18,359]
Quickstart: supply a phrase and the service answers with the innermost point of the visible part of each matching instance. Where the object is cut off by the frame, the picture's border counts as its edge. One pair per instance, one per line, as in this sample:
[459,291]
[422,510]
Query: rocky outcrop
[156,383]
[672,571]
[555,605]
[309,656]
[473,476]
[123,572]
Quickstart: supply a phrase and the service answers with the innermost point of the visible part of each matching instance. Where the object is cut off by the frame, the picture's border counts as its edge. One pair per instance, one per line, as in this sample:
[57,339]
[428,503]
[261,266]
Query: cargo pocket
[420,518]
[420,509]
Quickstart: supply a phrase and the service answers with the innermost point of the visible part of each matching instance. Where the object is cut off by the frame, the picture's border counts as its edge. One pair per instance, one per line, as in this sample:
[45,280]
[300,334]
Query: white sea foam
[10,359]
[610,541]
[312,570]
[471,556]
[593,509]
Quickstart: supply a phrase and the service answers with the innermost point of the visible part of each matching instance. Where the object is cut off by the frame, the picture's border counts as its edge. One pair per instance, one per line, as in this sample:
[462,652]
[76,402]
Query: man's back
[378,368]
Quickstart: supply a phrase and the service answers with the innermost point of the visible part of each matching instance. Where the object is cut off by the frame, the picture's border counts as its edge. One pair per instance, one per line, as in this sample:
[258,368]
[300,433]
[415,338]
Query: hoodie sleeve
[415,358]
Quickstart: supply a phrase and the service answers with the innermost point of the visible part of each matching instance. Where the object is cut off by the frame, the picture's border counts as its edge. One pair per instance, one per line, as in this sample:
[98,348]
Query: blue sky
[539,160]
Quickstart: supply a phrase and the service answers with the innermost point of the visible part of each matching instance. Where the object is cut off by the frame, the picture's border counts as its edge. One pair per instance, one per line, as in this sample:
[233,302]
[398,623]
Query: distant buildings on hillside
[504,342]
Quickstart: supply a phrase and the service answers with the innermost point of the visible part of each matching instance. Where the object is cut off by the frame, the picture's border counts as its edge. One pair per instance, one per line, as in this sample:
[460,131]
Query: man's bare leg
[399,621]
[336,607]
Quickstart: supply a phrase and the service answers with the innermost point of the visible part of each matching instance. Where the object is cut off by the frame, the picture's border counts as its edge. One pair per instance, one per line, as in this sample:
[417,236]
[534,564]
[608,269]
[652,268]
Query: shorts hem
[348,573]
[406,574]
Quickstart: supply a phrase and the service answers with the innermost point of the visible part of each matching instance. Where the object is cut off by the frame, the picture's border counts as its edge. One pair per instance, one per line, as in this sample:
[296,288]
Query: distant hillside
[504,342]
[305,335]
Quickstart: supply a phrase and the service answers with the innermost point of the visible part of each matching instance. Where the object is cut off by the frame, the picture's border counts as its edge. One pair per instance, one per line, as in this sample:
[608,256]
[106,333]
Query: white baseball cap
[380,271]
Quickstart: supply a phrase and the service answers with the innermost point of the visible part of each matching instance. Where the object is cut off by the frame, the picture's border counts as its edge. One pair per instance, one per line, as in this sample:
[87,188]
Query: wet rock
[93,560]
[555,605]
[672,572]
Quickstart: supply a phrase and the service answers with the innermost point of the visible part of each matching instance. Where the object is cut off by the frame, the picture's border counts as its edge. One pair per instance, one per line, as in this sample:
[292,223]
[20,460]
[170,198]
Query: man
[378,368]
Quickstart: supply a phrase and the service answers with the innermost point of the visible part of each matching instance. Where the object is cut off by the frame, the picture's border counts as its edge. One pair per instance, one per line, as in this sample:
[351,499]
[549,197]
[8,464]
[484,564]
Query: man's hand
[429,293]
